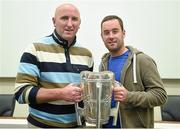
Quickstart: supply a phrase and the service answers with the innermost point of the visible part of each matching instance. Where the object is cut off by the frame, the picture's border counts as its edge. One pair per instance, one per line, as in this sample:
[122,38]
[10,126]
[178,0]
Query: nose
[69,22]
[111,35]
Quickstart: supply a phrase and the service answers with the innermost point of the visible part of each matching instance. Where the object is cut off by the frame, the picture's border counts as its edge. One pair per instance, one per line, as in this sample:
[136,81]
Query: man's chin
[113,49]
[68,37]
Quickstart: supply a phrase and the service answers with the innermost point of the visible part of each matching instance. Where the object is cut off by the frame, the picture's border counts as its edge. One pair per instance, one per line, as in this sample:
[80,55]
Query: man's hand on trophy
[120,93]
[72,93]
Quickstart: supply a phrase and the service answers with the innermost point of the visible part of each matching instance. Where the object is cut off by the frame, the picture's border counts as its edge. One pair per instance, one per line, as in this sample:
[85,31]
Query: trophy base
[94,121]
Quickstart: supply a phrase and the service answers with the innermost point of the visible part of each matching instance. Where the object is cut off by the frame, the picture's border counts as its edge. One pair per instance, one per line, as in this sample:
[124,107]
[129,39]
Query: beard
[114,48]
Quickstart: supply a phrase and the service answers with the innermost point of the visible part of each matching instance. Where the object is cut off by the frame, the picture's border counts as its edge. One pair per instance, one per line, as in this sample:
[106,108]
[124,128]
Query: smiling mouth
[68,31]
[111,43]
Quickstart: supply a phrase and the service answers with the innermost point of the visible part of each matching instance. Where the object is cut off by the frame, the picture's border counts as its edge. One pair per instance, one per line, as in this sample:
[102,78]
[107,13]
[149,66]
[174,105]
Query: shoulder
[42,44]
[46,40]
[145,60]
[105,56]
[79,49]
[142,56]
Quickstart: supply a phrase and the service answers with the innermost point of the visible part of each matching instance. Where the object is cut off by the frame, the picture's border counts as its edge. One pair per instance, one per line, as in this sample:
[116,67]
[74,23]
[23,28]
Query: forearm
[47,95]
[152,98]
[33,94]
[70,93]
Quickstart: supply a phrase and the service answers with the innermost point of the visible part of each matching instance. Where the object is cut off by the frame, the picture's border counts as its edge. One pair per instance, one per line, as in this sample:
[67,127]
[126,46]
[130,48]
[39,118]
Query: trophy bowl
[97,92]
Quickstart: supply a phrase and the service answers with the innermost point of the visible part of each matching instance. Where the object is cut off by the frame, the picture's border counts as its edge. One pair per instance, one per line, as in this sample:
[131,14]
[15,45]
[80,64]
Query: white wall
[151,26]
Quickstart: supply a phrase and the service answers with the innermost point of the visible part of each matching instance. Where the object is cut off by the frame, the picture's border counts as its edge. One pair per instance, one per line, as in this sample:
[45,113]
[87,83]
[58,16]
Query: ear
[79,23]
[54,21]
[101,35]
[124,33]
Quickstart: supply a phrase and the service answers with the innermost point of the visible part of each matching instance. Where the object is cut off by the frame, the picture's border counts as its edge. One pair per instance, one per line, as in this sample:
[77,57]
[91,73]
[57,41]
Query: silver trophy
[97,92]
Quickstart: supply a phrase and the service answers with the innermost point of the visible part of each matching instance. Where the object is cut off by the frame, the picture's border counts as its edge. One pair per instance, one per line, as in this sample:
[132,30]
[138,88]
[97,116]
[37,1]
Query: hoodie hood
[132,59]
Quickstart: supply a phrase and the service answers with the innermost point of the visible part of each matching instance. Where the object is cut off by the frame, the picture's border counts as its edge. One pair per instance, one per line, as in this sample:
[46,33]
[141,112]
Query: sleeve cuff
[32,95]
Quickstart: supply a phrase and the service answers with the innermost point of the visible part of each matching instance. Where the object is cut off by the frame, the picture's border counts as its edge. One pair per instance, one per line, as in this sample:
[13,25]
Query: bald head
[67,6]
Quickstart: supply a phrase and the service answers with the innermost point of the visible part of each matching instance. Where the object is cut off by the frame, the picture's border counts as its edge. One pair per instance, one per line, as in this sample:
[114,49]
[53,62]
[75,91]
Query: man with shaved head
[49,72]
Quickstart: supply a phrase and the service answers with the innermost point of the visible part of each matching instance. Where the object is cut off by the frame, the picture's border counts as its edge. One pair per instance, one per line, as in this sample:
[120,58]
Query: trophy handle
[116,83]
[78,109]
[98,108]
[78,116]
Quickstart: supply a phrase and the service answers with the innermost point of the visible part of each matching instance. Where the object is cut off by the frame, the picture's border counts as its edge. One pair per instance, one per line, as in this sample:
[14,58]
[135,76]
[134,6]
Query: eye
[75,18]
[106,32]
[64,18]
[115,31]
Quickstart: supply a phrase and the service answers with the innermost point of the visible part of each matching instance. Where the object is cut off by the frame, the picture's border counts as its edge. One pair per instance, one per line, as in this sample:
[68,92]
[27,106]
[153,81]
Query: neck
[60,40]
[119,52]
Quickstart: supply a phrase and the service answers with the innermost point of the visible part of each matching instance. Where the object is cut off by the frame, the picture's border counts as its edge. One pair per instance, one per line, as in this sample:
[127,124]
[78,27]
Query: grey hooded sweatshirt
[145,89]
